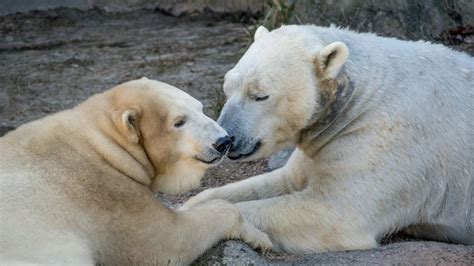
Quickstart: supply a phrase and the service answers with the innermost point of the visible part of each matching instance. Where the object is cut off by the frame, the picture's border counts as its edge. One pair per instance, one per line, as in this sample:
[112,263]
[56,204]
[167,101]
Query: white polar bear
[76,187]
[384,137]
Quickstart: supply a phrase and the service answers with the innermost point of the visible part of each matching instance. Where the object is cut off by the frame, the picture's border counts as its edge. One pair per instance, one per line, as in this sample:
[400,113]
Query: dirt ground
[52,60]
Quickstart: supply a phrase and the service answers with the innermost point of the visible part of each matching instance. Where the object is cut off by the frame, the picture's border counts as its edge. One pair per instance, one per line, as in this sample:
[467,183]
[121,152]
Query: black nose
[222,144]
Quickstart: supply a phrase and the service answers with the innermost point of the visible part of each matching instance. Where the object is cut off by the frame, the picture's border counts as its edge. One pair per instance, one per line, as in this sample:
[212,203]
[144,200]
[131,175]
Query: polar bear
[77,187]
[383,131]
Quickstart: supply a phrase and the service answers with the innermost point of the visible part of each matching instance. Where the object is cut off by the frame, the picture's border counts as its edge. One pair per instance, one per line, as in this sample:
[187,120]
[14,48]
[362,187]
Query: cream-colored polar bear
[77,187]
[383,130]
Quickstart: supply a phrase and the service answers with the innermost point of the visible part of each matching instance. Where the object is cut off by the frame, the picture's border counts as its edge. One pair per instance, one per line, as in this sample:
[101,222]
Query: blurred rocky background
[407,19]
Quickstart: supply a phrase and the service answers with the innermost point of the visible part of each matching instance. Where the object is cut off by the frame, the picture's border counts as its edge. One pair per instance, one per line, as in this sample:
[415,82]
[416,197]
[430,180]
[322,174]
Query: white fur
[76,186]
[333,65]
[398,156]
[260,32]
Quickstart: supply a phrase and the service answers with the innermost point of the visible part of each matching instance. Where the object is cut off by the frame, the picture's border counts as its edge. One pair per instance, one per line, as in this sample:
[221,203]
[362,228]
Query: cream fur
[75,187]
[383,130]
[260,32]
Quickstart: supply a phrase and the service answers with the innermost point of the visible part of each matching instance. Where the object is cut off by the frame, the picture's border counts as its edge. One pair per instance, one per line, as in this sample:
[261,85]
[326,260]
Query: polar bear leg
[262,186]
[298,223]
[208,223]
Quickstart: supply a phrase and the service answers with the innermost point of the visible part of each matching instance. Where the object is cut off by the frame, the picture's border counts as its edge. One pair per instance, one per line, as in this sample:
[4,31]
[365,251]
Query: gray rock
[231,253]
[14,6]
[279,159]
[173,7]
[405,253]
[5,129]
[181,7]
[406,19]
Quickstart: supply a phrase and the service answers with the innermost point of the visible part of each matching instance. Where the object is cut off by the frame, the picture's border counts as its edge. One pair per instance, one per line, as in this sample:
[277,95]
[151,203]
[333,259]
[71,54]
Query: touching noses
[223,144]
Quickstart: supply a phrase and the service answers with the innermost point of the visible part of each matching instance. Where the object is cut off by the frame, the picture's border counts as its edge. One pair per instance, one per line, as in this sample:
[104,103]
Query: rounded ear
[330,60]
[260,32]
[129,124]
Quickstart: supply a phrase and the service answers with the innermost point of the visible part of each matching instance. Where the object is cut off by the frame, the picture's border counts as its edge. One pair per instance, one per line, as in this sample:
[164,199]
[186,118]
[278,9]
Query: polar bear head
[280,85]
[168,125]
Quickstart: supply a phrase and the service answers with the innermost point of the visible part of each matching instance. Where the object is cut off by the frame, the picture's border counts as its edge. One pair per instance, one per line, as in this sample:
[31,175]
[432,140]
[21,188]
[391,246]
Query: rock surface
[173,7]
[279,159]
[405,253]
[449,20]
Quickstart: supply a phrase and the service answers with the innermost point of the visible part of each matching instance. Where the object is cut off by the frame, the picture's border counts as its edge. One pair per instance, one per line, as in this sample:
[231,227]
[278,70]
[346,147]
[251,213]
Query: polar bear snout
[223,144]
[244,149]
[242,145]
[216,142]
[216,151]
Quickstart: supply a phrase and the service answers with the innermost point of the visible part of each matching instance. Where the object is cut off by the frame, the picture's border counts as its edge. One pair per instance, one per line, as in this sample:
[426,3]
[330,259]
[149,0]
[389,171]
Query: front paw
[254,237]
[204,196]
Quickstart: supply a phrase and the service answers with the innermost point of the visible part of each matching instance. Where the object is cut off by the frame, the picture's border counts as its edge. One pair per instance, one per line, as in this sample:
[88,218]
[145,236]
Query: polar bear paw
[204,196]
[254,237]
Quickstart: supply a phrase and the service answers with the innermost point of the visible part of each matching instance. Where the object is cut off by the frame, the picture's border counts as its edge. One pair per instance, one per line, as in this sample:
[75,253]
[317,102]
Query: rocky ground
[52,60]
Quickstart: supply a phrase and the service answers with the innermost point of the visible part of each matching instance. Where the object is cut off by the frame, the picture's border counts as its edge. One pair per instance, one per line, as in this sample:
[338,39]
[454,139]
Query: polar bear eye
[261,98]
[180,122]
